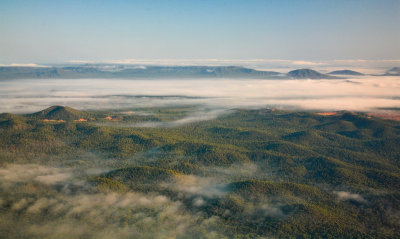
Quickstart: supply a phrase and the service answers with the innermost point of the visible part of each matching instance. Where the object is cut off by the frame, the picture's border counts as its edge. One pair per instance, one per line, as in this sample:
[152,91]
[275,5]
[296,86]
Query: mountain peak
[393,71]
[345,72]
[308,74]
[58,112]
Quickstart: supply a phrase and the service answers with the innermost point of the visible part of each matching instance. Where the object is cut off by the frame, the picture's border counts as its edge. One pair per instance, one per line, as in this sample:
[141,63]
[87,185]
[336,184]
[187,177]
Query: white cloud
[307,63]
[22,65]
[342,195]
[15,173]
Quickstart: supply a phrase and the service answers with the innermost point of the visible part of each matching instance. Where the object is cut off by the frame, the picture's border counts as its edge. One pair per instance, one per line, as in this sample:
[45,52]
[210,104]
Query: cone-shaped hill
[60,113]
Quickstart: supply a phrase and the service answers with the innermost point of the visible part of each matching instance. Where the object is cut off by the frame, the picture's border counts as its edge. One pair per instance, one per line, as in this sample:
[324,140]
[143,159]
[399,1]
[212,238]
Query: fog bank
[359,94]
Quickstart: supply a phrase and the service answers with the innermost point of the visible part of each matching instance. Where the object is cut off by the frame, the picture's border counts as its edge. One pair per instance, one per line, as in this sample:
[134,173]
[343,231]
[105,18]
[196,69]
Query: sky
[67,31]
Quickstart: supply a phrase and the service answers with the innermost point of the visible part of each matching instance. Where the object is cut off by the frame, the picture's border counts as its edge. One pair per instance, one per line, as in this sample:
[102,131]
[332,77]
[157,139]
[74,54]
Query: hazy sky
[60,31]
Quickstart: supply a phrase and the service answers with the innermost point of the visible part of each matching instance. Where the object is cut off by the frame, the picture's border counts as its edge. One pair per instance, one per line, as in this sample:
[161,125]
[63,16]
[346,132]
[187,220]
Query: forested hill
[248,174]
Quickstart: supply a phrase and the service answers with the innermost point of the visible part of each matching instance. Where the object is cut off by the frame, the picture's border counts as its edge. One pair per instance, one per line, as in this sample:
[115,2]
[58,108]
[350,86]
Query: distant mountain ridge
[345,72]
[395,71]
[309,74]
[116,71]
[125,71]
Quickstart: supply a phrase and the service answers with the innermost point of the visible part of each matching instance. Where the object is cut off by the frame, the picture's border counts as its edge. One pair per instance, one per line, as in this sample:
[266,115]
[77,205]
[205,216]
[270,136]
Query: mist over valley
[199,119]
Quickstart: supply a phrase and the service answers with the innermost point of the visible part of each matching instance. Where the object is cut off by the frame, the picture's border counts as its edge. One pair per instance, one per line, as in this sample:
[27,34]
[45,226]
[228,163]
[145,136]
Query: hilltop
[308,74]
[395,71]
[60,113]
[346,72]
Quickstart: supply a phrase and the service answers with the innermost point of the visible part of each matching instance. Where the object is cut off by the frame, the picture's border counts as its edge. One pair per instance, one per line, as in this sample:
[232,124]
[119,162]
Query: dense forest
[263,173]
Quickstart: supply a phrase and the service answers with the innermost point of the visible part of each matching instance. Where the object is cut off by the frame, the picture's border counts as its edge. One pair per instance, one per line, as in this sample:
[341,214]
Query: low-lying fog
[359,94]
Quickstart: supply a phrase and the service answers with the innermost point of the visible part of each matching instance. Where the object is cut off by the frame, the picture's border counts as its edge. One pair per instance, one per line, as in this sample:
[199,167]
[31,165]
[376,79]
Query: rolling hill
[60,113]
[308,74]
[345,72]
[248,174]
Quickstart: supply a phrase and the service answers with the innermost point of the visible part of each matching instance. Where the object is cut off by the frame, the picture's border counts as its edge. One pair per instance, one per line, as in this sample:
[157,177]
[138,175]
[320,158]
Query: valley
[244,173]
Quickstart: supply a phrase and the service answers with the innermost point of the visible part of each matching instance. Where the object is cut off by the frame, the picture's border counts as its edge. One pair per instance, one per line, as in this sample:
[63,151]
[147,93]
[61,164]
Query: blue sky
[61,31]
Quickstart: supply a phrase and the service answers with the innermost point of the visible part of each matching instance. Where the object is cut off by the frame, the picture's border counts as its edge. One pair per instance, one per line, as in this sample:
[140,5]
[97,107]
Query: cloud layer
[359,94]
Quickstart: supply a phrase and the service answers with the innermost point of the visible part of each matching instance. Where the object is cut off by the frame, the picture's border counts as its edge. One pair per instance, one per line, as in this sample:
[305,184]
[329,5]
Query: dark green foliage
[60,113]
[141,174]
[276,173]
[12,122]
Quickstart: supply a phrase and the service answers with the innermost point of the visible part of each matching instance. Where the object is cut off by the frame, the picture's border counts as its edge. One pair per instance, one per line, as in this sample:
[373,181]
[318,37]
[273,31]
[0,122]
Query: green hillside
[248,174]
[60,113]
